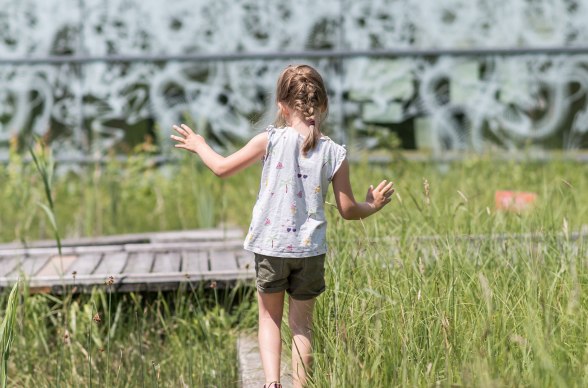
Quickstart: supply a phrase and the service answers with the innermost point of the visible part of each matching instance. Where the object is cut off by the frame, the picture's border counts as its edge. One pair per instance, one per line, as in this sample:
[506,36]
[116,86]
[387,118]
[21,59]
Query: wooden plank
[99,249]
[167,262]
[165,247]
[111,264]
[85,264]
[83,241]
[163,277]
[57,266]
[250,367]
[133,238]
[37,251]
[223,260]
[29,266]
[133,283]
[198,235]
[245,260]
[139,262]
[8,264]
[195,261]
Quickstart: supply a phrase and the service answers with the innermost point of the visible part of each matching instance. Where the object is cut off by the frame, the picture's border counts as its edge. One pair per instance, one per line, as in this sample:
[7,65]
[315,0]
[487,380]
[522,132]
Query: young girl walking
[288,227]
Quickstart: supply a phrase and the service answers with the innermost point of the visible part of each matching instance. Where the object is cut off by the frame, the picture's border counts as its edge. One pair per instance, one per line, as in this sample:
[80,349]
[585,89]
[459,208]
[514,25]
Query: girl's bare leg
[271,306]
[300,320]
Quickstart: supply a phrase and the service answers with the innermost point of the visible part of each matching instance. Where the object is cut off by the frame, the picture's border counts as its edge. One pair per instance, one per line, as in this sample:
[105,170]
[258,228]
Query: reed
[7,330]
[414,296]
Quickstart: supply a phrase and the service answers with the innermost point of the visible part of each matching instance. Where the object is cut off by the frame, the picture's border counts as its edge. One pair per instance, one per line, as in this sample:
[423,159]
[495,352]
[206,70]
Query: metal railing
[308,54]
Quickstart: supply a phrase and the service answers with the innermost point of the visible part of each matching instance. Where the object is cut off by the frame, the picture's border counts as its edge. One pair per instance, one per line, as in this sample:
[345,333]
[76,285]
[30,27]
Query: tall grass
[175,339]
[137,197]
[45,167]
[480,314]
[403,311]
[7,333]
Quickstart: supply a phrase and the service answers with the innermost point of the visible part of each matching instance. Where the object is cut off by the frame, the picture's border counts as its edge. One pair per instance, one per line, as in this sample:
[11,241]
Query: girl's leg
[271,307]
[300,320]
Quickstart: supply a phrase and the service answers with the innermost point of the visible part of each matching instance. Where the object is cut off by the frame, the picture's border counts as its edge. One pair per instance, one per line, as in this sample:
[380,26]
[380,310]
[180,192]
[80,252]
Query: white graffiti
[452,102]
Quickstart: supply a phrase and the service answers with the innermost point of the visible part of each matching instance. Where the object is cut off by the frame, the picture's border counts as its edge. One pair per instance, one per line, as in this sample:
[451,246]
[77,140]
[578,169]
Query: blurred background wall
[95,76]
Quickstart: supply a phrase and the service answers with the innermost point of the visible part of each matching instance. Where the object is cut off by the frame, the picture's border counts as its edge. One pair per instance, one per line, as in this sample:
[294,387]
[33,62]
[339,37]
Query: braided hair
[302,89]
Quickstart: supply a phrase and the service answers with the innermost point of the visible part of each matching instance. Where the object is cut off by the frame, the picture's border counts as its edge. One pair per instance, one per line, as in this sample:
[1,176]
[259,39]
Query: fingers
[177,138]
[187,129]
[383,187]
[379,187]
[384,192]
[389,193]
[180,130]
[388,189]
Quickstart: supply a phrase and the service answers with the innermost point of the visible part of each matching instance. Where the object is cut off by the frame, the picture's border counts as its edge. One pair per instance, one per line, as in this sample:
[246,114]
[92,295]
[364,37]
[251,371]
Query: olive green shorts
[302,278]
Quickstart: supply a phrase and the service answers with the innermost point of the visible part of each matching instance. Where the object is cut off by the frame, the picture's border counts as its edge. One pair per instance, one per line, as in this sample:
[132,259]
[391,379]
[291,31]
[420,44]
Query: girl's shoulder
[272,129]
[274,133]
[332,145]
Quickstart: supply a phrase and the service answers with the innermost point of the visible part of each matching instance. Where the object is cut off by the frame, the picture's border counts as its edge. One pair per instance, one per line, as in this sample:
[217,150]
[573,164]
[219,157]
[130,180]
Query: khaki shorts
[303,278]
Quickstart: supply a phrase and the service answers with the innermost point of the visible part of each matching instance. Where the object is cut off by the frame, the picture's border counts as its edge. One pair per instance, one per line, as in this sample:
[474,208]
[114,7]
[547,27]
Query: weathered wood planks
[139,262]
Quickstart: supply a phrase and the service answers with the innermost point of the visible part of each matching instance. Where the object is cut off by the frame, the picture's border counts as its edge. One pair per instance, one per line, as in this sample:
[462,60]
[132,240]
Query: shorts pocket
[269,273]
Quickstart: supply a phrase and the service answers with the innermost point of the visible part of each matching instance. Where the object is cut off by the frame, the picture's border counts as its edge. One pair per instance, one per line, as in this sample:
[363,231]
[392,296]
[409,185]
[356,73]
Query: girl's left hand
[188,139]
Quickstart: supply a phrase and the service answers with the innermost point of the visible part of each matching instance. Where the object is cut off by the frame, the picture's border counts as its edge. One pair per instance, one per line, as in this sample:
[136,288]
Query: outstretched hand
[188,139]
[380,196]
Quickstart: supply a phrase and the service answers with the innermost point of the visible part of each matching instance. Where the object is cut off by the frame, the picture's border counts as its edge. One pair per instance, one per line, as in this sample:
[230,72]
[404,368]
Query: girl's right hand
[188,139]
[380,196]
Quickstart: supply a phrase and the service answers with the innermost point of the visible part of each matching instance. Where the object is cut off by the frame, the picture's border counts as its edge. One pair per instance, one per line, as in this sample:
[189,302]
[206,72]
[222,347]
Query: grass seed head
[427,191]
[66,338]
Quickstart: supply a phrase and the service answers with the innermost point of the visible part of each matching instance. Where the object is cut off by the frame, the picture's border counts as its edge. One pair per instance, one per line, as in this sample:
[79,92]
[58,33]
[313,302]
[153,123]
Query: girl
[288,227]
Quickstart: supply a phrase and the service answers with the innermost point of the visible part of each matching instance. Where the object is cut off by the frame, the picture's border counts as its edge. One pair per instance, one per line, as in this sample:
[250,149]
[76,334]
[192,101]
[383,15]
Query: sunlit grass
[167,340]
[401,308]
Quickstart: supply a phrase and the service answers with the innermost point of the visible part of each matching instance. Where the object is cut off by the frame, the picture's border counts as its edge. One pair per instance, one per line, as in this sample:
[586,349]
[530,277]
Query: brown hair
[301,88]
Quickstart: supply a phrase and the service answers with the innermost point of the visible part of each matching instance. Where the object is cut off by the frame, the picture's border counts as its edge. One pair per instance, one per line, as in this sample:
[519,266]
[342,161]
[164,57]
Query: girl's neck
[300,126]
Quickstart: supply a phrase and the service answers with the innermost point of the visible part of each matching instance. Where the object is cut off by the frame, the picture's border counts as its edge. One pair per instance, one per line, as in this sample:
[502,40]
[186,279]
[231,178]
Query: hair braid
[302,89]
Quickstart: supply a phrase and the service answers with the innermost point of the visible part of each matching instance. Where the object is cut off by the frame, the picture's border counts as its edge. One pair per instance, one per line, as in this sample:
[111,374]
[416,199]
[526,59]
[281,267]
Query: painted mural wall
[443,102]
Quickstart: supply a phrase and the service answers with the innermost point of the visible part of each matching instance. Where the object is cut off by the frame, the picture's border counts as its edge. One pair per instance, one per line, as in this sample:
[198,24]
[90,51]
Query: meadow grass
[404,311]
[183,338]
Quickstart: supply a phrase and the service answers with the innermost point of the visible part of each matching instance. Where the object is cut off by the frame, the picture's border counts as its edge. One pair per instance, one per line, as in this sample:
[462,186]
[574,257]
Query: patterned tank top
[289,216]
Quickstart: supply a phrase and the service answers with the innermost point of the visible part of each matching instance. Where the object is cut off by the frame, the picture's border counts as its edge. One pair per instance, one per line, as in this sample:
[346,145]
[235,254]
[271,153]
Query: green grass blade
[7,333]
[51,217]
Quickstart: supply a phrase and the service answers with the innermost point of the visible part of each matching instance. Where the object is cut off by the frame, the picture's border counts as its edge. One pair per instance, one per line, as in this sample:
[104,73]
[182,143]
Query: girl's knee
[299,326]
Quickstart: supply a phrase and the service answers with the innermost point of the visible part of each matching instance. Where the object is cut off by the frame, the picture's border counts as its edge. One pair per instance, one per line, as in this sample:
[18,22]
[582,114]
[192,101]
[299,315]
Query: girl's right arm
[349,209]
[221,166]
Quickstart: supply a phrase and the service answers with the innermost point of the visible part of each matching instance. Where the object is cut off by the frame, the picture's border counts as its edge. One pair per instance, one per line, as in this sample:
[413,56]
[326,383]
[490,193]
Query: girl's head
[302,91]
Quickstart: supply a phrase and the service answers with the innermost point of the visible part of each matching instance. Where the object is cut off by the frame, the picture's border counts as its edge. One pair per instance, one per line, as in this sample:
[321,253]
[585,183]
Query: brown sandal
[273,384]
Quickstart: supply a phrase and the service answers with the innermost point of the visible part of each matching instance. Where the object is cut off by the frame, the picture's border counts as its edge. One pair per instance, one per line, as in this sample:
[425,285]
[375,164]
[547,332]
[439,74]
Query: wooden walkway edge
[137,262]
[250,368]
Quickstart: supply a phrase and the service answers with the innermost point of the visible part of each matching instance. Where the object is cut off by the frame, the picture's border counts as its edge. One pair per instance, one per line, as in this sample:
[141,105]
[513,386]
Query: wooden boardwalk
[250,368]
[136,262]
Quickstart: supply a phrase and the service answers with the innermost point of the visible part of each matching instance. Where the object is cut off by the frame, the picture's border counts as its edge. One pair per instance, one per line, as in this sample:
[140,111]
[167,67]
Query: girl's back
[289,218]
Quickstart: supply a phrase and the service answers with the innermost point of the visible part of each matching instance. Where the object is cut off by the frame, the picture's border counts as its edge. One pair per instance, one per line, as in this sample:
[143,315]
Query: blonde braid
[308,106]
[301,88]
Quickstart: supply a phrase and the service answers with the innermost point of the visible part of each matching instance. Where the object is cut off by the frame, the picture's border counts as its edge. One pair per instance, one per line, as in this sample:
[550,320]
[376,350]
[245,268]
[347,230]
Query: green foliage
[46,166]
[401,308]
[7,333]
[184,338]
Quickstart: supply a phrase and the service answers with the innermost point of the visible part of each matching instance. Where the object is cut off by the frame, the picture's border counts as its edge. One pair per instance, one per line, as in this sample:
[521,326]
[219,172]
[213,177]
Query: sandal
[273,384]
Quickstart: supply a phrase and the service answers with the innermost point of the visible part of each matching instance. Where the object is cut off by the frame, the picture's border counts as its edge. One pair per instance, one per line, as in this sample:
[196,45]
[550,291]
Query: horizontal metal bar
[307,54]
[580,156]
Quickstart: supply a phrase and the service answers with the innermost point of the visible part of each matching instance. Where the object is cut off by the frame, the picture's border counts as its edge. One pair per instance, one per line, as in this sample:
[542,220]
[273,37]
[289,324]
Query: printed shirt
[289,216]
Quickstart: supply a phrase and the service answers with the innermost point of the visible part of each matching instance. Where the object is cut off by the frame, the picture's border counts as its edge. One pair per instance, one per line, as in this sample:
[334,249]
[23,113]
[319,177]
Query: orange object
[514,200]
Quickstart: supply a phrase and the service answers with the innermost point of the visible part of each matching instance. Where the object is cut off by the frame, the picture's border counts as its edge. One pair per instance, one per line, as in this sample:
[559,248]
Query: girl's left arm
[221,166]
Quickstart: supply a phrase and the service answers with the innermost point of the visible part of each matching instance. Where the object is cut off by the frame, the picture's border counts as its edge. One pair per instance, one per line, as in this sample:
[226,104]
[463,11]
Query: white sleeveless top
[288,217]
